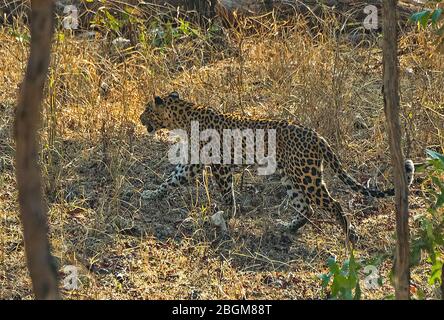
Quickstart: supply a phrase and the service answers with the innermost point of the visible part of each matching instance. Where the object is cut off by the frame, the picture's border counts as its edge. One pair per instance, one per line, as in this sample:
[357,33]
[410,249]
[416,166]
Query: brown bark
[32,209]
[391,109]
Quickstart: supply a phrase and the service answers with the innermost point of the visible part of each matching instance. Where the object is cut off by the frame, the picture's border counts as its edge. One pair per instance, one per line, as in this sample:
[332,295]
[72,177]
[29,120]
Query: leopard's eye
[174,95]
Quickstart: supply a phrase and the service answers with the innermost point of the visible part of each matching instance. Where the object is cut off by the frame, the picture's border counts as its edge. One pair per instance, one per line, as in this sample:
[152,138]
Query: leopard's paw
[284,226]
[292,226]
[151,194]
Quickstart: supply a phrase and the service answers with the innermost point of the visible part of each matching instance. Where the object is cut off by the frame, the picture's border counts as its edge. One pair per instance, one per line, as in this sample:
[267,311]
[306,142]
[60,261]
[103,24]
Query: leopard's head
[162,113]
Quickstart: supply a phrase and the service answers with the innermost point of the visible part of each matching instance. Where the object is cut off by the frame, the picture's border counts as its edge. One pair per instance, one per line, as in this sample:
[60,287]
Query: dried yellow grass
[97,158]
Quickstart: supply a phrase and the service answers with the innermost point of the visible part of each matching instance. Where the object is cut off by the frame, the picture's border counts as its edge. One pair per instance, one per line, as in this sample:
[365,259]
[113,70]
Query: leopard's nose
[149,128]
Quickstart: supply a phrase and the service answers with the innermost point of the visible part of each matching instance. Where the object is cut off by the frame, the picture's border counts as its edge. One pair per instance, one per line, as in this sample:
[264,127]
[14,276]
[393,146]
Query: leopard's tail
[332,160]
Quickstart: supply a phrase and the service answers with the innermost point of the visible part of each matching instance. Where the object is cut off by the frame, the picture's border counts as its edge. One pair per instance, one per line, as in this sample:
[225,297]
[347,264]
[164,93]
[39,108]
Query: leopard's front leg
[182,174]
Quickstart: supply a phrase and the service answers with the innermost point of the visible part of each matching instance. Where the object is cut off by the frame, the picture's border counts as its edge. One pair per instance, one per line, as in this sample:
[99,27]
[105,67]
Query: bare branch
[391,108]
[32,209]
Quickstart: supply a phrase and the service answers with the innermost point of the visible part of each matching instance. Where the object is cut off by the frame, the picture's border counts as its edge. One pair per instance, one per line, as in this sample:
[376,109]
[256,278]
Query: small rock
[121,43]
[120,277]
[104,89]
[218,220]
[359,123]
[409,71]
[194,294]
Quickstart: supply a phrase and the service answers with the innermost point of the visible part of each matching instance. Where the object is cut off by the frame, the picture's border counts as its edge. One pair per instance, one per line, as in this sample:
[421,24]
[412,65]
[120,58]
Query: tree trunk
[32,209]
[391,109]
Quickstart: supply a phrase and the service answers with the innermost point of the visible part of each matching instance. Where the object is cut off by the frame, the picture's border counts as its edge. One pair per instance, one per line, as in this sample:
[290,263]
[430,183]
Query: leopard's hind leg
[299,202]
[310,181]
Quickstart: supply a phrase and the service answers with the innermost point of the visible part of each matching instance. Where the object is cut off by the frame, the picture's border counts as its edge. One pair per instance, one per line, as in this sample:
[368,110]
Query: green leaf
[435,276]
[418,15]
[421,17]
[332,265]
[345,279]
[325,278]
[440,201]
[335,288]
[420,168]
[345,267]
[113,23]
[437,164]
[347,295]
[436,14]
[358,292]
[341,281]
[435,155]
[440,197]
[380,281]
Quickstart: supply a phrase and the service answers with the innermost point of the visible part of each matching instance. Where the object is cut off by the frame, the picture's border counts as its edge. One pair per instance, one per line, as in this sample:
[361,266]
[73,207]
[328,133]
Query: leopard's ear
[174,95]
[158,100]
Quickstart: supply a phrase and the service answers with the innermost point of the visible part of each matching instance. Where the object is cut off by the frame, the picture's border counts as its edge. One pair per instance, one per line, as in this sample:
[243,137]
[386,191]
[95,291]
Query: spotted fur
[301,155]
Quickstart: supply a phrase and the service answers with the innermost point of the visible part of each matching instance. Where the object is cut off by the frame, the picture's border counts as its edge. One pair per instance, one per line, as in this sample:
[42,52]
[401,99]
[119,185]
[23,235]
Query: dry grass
[97,159]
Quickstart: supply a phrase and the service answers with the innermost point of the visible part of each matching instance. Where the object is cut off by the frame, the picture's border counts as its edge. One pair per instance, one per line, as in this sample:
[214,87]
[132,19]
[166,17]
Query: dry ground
[97,159]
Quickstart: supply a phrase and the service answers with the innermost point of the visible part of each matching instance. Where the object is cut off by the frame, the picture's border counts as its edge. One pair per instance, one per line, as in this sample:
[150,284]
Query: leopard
[301,155]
